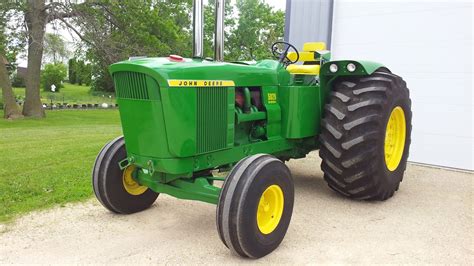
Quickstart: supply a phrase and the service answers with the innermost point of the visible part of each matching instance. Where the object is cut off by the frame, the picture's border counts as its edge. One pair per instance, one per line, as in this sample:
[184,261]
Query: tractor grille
[131,85]
[211,118]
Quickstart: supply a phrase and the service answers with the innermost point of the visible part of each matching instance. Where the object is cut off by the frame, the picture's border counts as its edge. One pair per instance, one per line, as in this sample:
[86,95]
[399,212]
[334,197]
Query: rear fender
[363,68]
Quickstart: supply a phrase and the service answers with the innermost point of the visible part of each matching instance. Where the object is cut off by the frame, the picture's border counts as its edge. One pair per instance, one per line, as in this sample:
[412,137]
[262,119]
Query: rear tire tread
[351,128]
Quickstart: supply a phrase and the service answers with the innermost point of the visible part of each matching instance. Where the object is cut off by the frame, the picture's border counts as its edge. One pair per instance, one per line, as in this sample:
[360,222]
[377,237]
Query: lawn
[48,162]
[71,94]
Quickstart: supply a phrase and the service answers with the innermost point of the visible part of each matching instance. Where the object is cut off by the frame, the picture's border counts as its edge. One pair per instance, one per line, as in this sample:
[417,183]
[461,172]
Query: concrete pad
[429,220]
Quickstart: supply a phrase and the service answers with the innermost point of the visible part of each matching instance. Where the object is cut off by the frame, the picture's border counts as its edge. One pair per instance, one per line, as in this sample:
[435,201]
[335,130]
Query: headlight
[333,68]
[351,67]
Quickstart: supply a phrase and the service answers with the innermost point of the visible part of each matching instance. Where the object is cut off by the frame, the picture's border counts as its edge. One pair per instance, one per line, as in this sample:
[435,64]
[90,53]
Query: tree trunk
[35,17]
[11,110]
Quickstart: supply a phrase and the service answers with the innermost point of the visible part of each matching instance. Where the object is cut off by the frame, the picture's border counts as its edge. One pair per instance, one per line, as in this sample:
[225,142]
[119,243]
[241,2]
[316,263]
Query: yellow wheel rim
[130,185]
[270,209]
[395,135]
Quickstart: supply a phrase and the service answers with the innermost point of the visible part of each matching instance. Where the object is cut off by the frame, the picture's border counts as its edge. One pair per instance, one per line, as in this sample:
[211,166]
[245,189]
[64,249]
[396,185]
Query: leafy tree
[36,15]
[86,74]
[79,71]
[83,73]
[209,26]
[8,50]
[31,18]
[72,72]
[55,48]
[53,74]
[115,30]
[102,81]
[257,27]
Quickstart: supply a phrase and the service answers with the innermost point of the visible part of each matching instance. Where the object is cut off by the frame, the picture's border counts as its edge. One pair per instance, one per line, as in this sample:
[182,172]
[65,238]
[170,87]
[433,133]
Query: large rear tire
[365,136]
[116,189]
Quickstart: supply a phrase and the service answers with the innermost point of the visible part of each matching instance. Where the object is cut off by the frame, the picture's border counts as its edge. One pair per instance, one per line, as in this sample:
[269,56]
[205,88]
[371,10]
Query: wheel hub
[129,183]
[395,135]
[270,209]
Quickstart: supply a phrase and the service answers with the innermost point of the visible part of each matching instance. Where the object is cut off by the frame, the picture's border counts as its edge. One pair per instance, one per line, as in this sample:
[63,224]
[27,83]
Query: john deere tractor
[184,120]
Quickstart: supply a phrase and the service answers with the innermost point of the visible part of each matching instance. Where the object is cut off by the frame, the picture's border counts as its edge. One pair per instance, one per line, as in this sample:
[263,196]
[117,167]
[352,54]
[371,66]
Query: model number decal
[200,83]
[272,97]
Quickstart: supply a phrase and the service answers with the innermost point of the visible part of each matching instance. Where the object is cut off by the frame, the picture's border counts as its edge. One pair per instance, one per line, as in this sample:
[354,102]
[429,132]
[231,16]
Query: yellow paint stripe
[200,83]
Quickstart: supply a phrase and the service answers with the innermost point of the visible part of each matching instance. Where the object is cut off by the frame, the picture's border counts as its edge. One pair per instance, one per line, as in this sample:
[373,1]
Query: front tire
[365,136]
[116,189]
[255,206]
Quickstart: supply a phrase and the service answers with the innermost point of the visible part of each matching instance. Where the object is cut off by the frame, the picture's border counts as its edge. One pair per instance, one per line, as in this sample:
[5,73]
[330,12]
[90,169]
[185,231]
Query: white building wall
[429,44]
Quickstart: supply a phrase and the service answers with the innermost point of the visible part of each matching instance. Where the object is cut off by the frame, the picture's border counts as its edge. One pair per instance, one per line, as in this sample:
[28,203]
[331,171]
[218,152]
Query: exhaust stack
[219,31]
[198,29]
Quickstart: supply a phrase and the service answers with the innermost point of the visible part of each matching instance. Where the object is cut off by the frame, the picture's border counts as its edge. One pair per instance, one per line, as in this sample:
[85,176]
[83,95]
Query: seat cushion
[304,56]
[304,69]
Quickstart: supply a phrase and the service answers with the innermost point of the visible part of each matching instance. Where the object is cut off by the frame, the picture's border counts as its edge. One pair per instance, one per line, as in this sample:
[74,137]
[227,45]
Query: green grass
[47,162]
[72,94]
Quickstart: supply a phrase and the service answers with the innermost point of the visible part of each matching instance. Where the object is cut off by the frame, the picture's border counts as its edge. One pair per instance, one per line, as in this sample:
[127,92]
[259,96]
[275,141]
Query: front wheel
[117,189]
[255,206]
[365,136]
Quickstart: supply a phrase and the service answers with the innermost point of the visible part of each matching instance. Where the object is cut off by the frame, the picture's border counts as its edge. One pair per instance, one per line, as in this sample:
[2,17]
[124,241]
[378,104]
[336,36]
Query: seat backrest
[314,46]
[309,52]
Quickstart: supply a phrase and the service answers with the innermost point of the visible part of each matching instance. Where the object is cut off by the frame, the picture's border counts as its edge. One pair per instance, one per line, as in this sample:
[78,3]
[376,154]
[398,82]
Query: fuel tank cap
[176,58]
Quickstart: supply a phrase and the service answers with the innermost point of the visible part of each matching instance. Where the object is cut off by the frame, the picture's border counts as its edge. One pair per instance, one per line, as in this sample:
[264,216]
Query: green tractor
[186,119]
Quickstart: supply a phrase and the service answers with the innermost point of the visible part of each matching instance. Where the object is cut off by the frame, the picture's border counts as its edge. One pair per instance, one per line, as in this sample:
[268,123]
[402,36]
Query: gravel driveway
[430,220]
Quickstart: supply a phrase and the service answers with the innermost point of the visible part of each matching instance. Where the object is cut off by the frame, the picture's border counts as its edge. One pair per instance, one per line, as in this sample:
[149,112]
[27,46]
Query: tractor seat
[304,69]
[309,57]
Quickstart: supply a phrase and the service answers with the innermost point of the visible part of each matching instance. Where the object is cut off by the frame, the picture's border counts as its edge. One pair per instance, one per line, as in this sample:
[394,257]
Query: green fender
[363,68]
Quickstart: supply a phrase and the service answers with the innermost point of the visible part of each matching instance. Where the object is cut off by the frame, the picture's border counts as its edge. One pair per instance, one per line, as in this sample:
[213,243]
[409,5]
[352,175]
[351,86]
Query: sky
[278,4]
[21,61]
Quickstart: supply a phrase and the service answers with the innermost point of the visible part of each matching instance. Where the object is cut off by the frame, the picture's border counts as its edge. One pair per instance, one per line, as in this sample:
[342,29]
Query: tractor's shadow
[311,187]
[310,183]
[191,224]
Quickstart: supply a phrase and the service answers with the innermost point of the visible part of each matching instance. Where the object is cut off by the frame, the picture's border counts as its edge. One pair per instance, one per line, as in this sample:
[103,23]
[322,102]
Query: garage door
[430,45]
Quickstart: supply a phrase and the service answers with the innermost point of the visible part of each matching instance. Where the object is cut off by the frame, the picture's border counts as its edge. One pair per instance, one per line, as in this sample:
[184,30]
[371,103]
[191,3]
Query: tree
[209,26]
[258,26]
[7,52]
[36,18]
[85,74]
[115,30]
[35,15]
[79,71]
[54,48]
[53,74]
[10,107]
[72,72]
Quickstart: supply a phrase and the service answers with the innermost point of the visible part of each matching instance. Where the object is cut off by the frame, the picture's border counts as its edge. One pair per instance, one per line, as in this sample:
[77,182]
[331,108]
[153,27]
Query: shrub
[18,81]
[102,81]
[53,74]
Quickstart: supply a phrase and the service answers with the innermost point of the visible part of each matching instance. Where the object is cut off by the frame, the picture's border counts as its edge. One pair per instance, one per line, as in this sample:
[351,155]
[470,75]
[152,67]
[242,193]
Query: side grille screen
[131,85]
[211,118]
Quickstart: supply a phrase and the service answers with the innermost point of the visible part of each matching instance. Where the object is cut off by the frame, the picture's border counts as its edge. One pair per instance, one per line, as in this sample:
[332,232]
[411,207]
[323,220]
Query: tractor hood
[163,69]
[185,106]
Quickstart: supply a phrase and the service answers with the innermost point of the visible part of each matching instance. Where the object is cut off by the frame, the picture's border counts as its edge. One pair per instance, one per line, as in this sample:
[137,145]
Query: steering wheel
[280,51]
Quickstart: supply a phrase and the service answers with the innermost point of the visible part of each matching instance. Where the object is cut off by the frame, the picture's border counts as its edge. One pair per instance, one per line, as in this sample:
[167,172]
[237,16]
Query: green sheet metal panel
[272,107]
[141,114]
[300,111]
